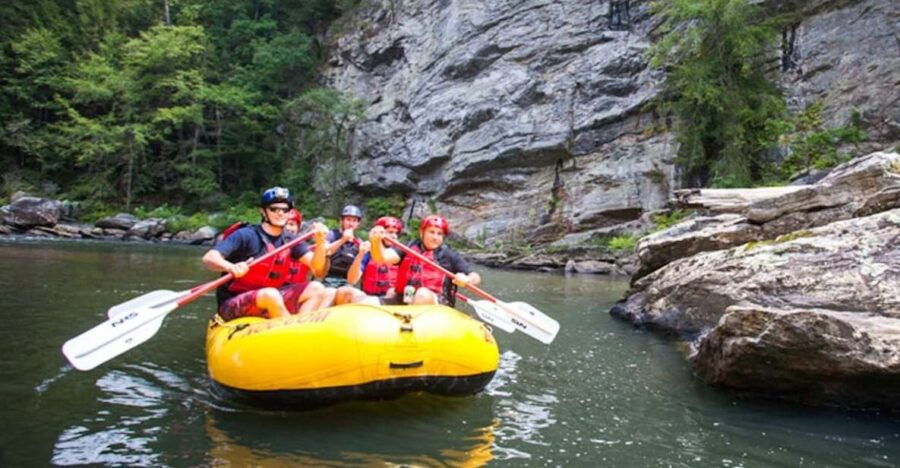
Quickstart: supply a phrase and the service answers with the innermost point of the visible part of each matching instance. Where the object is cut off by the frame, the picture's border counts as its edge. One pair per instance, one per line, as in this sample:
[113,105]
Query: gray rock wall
[508,114]
[847,54]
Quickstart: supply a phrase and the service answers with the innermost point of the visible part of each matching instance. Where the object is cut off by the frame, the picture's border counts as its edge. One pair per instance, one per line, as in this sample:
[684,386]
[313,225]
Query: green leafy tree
[811,145]
[727,111]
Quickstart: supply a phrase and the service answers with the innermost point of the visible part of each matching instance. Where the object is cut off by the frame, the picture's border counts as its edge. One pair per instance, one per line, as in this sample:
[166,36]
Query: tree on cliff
[728,113]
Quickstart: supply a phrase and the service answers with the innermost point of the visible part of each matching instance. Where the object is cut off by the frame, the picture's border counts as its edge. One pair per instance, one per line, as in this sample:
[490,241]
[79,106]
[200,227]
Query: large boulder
[122,221]
[810,315]
[27,212]
[203,235]
[859,187]
[812,355]
[849,265]
[148,228]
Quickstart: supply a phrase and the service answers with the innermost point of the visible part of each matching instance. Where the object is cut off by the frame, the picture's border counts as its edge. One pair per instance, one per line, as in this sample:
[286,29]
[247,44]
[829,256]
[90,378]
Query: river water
[602,394]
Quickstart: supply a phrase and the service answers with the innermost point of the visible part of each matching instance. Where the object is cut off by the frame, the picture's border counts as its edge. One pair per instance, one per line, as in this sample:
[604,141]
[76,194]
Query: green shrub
[392,205]
[94,211]
[812,146]
[667,220]
[163,211]
[178,223]
[625,242]
[17,181]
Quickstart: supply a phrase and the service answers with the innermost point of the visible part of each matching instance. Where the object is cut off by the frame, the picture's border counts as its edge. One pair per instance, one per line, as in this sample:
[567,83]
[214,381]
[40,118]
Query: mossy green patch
[778,240]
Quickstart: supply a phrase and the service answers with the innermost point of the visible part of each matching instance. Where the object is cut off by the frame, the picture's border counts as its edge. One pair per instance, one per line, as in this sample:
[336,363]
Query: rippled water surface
[603,393]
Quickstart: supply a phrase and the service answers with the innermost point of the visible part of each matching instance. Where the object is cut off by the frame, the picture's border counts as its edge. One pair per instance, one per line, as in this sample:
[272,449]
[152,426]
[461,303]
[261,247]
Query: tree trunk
[219,144]
[128,180]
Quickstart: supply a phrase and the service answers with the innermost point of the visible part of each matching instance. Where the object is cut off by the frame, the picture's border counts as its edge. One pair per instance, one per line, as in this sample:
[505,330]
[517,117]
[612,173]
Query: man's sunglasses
[278,209]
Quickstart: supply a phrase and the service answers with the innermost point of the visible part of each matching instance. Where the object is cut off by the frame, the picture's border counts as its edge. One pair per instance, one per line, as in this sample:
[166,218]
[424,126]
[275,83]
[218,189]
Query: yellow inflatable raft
[349,352]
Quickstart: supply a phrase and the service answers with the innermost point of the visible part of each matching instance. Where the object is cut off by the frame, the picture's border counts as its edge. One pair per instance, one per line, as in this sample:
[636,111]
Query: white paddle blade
[150,299]
[113,337]
[531,321]
[492,315]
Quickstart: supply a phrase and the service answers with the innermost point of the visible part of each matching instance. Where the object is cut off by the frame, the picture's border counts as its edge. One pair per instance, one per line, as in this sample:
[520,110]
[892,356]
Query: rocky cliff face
[527,118]
[508,114]
[845,53]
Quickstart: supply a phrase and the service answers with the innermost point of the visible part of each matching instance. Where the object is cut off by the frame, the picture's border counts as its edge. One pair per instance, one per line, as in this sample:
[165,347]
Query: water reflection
[524,414]
[412,430]
[145,410]
[138,402]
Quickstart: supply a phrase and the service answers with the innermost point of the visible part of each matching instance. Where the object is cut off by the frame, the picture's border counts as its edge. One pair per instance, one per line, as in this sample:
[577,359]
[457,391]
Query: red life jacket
[299,272]
[271,273]
[415,272]
[378,279]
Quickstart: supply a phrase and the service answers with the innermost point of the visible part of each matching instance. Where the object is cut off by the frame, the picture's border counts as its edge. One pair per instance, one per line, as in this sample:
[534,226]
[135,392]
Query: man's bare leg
[269,299]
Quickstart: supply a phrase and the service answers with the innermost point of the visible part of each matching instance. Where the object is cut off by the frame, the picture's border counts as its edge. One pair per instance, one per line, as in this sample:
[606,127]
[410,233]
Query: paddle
[137,320]
[523,316]
[489,313]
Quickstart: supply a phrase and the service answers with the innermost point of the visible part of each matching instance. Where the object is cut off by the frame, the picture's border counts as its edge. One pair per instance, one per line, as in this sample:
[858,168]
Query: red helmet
[390,221]
[434,220]
[295,215]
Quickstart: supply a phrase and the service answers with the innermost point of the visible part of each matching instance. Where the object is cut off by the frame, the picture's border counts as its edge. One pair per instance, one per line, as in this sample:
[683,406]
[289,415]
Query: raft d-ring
[406,326]
[407,318]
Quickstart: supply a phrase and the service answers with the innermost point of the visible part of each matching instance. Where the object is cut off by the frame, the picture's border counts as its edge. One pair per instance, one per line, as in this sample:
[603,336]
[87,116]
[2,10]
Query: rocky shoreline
[794,294]
[37,217]
[574,259]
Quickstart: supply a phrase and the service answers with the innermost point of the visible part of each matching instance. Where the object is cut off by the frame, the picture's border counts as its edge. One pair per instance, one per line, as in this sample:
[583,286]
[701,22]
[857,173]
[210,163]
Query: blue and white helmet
[351,210]
[276,195]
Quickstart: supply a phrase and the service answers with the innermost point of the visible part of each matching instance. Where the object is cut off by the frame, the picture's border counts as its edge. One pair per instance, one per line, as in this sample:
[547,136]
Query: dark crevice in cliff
[557,192]
[474,65]
[611,217]
[619,17]
[513,158]
[383,58]
[532,94]
[488,182]
[473,121]
[790,50]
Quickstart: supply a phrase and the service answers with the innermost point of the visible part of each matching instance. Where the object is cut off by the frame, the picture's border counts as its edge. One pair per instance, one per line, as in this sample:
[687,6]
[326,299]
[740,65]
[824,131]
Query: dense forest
[180,103]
